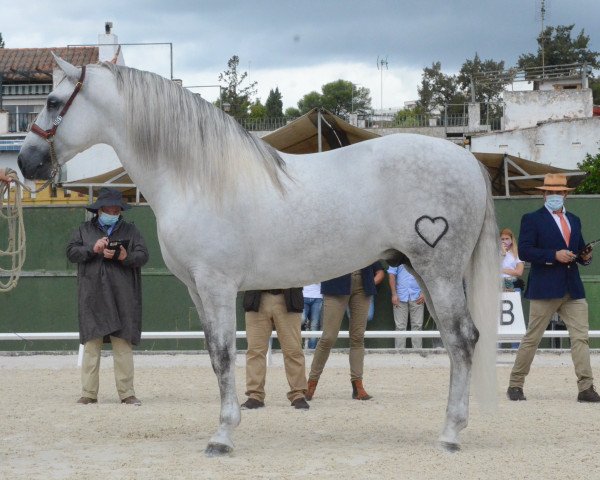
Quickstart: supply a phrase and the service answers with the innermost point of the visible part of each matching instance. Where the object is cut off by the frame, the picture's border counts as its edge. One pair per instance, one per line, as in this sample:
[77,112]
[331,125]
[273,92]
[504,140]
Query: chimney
[108,46]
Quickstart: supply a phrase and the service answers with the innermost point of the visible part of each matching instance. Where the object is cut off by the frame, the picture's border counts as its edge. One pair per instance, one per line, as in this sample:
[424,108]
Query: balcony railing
[20,122]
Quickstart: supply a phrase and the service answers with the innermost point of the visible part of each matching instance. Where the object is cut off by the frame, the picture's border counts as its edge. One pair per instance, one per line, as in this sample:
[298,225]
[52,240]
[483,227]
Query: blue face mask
[555,202]
[107,219]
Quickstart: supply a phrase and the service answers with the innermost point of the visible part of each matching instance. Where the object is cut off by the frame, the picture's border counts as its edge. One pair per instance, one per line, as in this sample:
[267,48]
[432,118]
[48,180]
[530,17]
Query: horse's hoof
[450,447]
[217,450]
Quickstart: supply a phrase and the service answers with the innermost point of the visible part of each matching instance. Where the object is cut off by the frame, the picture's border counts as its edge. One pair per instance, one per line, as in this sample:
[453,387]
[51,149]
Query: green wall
[45,299]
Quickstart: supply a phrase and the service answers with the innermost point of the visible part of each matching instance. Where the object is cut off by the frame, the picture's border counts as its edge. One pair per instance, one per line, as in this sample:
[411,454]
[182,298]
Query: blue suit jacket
[539,240]
[342,285]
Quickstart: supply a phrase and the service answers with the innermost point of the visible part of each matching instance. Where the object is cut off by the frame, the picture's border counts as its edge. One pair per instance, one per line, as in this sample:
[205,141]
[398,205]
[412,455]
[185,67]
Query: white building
[553,124]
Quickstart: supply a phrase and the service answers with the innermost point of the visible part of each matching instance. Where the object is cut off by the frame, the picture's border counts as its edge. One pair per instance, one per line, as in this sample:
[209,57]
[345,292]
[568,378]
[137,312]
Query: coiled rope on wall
[11,214]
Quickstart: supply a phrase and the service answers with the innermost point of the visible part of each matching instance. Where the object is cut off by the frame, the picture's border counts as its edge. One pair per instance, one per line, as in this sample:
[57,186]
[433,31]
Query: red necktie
[564,226]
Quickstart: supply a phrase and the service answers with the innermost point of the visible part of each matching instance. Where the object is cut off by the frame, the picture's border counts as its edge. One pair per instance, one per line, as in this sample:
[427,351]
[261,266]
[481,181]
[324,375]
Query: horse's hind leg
[217,313]
[447,304]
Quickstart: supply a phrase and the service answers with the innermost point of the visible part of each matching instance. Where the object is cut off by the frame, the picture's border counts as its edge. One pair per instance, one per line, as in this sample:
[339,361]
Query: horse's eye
[52,103]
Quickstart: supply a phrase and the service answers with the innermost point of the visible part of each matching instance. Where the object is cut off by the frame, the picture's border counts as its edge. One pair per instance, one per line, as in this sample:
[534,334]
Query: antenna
[544,7]
[381,64]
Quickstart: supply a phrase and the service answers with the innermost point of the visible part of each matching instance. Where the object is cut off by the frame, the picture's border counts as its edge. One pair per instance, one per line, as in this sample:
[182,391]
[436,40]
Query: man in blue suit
[551,240]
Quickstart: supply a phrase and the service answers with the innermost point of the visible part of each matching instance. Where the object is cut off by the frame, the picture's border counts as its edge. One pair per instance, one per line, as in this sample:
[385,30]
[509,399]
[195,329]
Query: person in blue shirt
[355,290]
[408,300]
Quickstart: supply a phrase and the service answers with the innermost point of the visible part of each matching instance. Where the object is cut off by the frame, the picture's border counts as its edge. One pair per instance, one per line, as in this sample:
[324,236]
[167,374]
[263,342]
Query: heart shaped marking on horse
[431,230]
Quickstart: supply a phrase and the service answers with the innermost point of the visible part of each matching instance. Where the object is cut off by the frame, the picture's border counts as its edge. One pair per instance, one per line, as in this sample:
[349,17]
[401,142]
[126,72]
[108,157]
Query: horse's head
[65,127]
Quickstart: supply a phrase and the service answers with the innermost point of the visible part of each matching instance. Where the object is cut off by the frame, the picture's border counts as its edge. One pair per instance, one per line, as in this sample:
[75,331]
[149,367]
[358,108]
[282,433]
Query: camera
[115,244]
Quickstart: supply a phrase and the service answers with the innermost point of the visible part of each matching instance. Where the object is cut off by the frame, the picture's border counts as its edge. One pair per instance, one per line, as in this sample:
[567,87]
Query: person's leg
[258,330]
[416,322]
[315,320]
[401,320]
[287,325]
[540,312]
[90,368]
[359,308]
[123,365]
[575,315]
[334,307]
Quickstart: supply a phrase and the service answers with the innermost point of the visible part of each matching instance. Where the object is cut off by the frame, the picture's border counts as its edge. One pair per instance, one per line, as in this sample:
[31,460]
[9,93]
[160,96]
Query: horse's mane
[206,147]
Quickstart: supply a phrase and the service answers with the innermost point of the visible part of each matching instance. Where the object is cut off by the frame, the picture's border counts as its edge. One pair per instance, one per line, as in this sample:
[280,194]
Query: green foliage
[410,117]
[559,48]
[484,74]
[438,89]
[1,41]
[595,86]
[591,183]
[274,104]
[258,110]
[340,98]
[310,101]
[292,112]
[237,96]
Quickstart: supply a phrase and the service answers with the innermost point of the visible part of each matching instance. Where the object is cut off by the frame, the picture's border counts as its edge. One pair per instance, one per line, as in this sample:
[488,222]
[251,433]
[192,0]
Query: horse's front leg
[459,335]
[216,307]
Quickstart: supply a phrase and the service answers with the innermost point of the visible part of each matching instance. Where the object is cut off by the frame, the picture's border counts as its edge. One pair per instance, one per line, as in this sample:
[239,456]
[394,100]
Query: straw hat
[555,182]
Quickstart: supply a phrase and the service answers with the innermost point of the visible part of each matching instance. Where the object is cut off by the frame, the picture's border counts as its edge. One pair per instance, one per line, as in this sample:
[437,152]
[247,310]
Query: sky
[300,45]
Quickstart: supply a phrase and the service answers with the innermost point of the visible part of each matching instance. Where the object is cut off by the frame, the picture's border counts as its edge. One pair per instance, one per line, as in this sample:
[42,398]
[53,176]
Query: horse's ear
[70,71]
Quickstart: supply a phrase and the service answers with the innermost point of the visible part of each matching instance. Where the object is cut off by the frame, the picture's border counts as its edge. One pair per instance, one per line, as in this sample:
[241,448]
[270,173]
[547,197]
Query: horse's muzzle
[35,164]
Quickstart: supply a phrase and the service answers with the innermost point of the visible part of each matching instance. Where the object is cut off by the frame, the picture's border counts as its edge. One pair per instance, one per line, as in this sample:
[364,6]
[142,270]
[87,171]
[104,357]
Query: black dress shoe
[300,404]
[252,404]
[515,394]
[589,395]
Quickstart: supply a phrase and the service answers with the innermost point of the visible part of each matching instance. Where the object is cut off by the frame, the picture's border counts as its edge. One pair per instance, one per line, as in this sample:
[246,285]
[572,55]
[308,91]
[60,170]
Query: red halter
[48,134]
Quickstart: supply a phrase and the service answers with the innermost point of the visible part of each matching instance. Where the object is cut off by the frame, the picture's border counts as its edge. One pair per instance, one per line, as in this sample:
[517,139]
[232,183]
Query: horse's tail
[483,295]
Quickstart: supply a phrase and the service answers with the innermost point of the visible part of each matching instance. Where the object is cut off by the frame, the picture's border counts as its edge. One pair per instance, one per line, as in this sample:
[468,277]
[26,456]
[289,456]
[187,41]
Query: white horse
[234,214]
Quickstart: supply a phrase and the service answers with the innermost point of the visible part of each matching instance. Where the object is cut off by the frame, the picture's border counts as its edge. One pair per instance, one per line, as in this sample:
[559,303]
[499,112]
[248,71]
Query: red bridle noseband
[48,135]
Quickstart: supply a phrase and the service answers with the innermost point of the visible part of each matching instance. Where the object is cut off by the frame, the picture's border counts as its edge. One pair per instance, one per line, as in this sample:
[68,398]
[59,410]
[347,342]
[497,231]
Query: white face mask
[554,202]
[108,219]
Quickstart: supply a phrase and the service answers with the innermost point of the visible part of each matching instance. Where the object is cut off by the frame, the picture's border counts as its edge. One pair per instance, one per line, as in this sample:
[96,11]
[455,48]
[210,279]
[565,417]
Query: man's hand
[395,300]
[5,178]
[100,245]
[421,299]
[565,256]
[122,253]
[108,253]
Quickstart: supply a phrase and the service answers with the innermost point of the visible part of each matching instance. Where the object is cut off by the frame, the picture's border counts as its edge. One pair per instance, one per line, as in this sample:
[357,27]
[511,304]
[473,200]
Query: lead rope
[11,213]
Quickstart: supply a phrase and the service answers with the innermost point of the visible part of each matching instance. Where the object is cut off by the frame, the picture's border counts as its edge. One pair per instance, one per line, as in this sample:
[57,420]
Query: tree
[258,110]
[591,183]
[486,75]
[1,41]
[558,48]
[239,98]
[595,86]
[274,104]
[343,97]
[340,97]
[410,117]
[292,112]
[438,90]
[310,101]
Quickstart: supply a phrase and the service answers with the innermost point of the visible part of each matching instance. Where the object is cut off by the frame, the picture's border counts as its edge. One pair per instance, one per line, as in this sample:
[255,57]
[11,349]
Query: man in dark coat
[109,253]
[552,241]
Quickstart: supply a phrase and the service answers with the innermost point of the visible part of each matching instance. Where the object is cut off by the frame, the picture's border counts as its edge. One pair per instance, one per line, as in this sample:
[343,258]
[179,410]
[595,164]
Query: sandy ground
[45,435]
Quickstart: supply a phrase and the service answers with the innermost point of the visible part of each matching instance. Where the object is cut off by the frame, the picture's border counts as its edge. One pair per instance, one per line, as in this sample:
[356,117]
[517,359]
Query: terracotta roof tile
[35,65]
